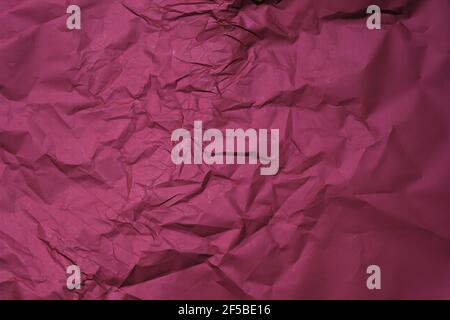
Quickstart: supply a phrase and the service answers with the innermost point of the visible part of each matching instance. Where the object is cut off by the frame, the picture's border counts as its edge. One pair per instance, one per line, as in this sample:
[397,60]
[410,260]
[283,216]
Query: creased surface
[86,178]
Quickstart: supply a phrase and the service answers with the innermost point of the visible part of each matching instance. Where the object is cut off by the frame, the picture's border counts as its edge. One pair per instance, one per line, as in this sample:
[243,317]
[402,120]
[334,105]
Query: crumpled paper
[86,177]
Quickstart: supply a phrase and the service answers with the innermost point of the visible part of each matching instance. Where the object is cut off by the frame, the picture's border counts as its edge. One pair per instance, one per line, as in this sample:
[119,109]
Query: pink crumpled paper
[86,176]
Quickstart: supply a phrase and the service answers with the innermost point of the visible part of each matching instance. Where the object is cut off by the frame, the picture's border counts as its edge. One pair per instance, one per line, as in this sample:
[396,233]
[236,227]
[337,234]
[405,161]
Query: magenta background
[86,175]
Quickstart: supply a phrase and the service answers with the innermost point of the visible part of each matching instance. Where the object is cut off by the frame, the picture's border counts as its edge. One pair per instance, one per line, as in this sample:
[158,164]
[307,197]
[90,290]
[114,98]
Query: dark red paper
[86,176]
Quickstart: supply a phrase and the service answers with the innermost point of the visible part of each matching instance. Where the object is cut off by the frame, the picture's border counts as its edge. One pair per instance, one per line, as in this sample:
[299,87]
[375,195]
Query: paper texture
[86,176]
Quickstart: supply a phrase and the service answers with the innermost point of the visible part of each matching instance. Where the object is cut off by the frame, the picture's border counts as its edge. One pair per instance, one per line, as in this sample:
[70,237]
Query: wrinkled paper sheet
[86,176]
